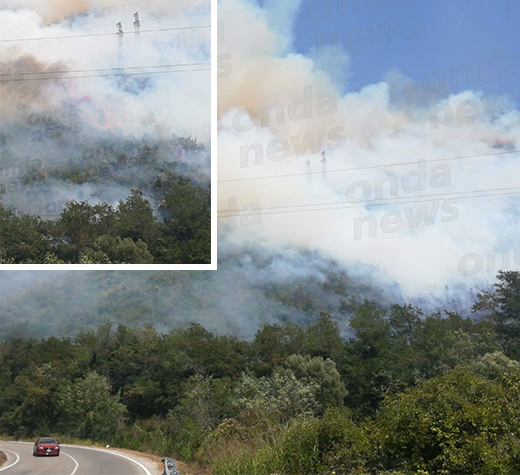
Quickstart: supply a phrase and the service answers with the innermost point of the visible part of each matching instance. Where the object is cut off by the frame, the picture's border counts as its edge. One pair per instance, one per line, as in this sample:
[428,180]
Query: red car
[46,446]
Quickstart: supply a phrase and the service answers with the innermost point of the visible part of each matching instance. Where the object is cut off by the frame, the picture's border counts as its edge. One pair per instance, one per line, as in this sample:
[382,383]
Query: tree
[460,422]
[136,219]
[330,389]
[88,410]
[119,251]
[32,404]
[323,338]
[502,307]
[274,343]
[186,208]
[24,239]
[403,321]
[206,402]
[367,372]
[281,396]
[77,227]
[495,366]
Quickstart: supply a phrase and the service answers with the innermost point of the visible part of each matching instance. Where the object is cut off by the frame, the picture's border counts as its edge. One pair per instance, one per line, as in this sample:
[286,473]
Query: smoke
[176,100]
[248,290]
[72,99]
[57,10]
[278,110]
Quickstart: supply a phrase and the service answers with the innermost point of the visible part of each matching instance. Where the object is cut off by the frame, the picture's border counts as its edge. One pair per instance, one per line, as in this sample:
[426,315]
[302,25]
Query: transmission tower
[120,34]
[137,24]
[323,162]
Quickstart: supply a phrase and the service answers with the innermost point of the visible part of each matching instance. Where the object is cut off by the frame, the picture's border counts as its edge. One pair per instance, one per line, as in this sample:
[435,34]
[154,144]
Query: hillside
[404,393]
[247,290]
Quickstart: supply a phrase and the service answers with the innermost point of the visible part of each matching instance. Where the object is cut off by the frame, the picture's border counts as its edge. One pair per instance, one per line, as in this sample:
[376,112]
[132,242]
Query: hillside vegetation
[401,392]
[245,292]
[150,204]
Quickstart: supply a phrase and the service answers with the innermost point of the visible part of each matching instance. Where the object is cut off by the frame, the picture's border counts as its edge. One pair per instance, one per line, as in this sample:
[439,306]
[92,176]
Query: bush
[461,422]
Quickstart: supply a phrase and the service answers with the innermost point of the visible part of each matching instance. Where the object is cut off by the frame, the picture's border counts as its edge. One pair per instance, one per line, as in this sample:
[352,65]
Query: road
[73,460]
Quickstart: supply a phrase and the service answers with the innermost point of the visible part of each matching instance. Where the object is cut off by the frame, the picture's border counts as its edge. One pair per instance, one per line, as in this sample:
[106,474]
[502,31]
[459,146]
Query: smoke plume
[425,224]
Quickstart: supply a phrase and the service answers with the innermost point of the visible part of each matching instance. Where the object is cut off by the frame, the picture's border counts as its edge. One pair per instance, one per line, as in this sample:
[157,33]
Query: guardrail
[170,467]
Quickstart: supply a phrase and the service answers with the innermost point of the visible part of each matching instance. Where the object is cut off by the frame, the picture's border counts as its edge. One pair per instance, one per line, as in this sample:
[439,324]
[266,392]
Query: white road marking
[14,463]
[74,460]
[145,470]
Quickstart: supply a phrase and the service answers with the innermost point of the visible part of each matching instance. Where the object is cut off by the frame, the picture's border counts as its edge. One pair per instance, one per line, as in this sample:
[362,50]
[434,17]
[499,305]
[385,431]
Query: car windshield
[47,441]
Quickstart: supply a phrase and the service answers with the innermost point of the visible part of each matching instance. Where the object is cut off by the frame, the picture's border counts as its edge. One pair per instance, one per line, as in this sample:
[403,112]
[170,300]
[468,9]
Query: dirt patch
[191,469]
[3,458]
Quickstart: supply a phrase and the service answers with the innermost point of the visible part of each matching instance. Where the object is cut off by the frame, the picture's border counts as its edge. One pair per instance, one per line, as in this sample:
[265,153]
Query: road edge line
[74,460]
[14,463]
[112,453]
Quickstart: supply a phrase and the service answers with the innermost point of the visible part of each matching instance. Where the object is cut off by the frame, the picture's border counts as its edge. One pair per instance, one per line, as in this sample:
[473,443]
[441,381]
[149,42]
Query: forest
[164,217]
[402,391]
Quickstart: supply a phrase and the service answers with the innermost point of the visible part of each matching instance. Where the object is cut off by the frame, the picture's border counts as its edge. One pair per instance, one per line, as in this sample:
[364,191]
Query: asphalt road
[73,460]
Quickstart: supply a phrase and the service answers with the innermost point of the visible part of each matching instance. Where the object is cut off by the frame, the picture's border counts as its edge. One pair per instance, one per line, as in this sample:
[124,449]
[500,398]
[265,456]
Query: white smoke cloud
[63,92]
[278,110]
[57,10]
[170,102]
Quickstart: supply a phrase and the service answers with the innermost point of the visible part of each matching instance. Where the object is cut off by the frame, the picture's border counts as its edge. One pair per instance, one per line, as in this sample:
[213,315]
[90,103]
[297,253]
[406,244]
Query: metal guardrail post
[170,467]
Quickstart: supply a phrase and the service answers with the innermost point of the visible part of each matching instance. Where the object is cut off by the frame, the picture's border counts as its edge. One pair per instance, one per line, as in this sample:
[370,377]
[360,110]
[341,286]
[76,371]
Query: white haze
[92,108]
[174,102]
[384,123]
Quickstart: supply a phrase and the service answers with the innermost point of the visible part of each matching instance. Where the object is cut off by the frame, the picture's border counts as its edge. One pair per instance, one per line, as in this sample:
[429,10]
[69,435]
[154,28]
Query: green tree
[323,338]
[25,239]
[501,305]
[31,401]
[281,396]
[330,388]
[88,410]
[119,251]
[273,343]
[136,219]
[186,208]
[77,228]
[460,422]
[367,373]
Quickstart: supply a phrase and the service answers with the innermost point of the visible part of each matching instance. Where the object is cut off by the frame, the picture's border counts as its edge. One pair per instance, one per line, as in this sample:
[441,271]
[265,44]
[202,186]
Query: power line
[103,69]
[261,213]
[361,203]
[110,75]
[342,170]
[102,34]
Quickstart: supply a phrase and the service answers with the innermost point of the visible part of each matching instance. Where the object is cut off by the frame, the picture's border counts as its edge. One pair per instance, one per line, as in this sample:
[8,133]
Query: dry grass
[3,458]
[192,469]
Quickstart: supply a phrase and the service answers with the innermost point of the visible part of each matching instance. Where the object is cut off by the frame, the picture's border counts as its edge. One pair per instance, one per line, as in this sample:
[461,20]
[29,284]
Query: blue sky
[442,34]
